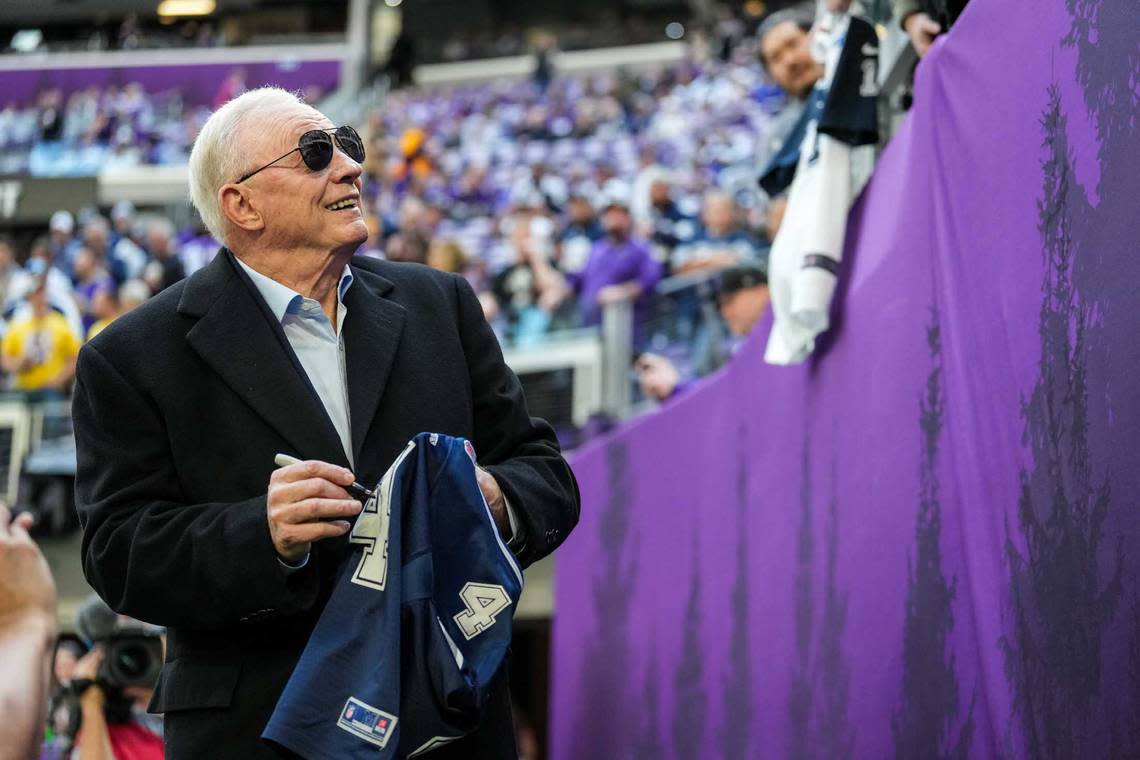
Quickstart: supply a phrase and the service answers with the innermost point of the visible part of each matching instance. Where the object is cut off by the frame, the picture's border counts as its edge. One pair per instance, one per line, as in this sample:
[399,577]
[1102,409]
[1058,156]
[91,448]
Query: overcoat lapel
[372,330]
[236,336]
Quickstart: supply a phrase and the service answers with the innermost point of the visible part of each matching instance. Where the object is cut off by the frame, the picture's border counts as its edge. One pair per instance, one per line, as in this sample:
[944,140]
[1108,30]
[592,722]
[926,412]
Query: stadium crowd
[554,201]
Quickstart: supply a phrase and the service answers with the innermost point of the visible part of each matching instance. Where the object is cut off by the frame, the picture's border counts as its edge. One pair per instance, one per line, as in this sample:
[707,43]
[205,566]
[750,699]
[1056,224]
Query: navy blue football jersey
[418,624]
[850,113]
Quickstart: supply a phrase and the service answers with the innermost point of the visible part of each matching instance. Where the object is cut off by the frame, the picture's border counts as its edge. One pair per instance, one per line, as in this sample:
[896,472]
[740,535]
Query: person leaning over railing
[742,299]
[785,54]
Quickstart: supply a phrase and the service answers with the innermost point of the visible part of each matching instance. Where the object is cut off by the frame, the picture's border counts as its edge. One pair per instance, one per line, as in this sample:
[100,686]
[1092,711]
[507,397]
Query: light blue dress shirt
[318,347]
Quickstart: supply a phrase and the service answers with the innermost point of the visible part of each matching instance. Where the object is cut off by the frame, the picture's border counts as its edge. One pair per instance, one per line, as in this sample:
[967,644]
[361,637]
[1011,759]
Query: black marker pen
[358,491]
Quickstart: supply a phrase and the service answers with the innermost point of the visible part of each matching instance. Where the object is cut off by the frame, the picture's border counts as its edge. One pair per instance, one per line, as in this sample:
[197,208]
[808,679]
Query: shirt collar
[279,297]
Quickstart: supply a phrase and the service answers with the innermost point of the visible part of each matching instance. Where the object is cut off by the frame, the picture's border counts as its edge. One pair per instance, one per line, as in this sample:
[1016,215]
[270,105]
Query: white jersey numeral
[484,602]
[371,530]
[869,88]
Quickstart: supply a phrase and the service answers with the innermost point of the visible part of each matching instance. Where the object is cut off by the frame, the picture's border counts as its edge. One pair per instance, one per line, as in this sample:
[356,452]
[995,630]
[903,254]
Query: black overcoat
[179,409]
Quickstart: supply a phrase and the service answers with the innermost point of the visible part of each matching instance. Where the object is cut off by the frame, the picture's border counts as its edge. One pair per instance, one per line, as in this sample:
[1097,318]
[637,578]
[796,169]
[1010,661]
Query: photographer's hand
[94,741]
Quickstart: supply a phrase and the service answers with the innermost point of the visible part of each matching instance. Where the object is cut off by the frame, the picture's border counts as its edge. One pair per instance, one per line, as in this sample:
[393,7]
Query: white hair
[219,157]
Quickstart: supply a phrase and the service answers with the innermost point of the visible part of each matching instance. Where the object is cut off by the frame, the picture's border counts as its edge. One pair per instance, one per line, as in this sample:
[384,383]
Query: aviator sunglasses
[316,149]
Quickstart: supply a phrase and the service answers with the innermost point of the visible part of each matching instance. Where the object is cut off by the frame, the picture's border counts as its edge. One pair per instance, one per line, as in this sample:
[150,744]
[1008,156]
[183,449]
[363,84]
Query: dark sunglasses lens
[350,143]
[316,149]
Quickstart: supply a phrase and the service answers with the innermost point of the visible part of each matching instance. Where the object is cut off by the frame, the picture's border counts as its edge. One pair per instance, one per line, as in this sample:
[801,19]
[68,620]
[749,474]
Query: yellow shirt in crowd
[47,341]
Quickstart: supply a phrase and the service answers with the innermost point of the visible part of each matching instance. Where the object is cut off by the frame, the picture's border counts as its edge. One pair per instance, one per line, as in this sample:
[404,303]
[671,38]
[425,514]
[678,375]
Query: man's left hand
[495,500]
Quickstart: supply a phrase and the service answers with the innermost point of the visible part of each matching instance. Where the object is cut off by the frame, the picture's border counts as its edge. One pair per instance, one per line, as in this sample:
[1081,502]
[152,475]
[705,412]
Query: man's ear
[236,206]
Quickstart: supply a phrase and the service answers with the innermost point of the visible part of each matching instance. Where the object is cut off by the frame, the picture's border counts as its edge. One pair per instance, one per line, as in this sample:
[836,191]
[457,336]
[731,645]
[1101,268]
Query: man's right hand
[307,502]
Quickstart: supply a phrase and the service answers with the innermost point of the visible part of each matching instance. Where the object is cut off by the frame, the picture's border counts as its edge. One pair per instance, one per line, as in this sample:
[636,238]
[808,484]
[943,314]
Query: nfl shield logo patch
[366,722]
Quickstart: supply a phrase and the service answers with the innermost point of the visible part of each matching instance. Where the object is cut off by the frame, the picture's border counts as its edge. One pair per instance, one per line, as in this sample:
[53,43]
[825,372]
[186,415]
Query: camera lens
[133,661]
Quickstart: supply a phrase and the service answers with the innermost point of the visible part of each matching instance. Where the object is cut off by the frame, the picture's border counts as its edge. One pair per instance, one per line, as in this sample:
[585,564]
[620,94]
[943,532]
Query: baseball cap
[742,276]
[62,221]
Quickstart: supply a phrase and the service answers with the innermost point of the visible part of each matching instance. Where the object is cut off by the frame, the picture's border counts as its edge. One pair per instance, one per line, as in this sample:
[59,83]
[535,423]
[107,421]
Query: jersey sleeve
[850,112]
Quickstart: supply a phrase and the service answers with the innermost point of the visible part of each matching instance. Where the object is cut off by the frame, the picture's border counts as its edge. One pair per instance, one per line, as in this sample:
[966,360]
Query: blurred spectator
[39,350]
[14,281]
[544,49]
[109,305]
[620,268]
[529,288]
[90,278]
[60,292]
[743,300]
[122,219]
[51,117]
[446,256]
[720,243]
[61,243]
[27,633]
[666,226]
[578,235]
[785,53]
[165,268]
[67,654]
[415,161]
[123,258]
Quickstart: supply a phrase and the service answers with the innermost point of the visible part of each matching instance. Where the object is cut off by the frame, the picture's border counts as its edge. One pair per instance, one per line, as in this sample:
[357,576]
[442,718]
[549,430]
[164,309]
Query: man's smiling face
[302,208]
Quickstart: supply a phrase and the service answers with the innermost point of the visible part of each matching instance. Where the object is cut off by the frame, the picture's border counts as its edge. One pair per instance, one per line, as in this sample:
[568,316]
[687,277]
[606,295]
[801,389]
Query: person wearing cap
[61,240]
[620,268]
[743,299]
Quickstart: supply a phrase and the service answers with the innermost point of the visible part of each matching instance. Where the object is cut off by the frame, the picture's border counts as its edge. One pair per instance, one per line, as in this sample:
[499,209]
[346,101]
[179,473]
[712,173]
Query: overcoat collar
[237,336]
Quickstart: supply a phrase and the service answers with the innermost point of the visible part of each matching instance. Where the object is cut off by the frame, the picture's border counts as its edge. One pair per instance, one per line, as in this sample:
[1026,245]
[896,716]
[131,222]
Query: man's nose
[343,168]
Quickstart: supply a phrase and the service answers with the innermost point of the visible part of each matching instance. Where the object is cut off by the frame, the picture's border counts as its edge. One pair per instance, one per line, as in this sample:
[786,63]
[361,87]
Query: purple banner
[925,543]
[198,83]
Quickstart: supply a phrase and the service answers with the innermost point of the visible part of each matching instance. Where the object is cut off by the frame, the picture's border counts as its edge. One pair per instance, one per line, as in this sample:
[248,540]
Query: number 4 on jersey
[483,602]
[371,530]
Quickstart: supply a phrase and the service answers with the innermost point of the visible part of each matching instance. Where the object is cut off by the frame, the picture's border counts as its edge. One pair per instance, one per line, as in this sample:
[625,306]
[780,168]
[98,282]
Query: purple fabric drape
[925,542]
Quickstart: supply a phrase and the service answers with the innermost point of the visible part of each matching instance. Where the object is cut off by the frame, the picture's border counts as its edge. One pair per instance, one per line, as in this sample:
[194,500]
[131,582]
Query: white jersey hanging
[826,160]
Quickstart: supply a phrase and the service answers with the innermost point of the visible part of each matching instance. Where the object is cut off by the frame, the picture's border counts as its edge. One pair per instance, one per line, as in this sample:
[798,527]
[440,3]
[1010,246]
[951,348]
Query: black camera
[132,650]
[131,658]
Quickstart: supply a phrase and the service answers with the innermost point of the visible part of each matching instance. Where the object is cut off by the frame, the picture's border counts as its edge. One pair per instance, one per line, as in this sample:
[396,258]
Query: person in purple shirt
[620,268]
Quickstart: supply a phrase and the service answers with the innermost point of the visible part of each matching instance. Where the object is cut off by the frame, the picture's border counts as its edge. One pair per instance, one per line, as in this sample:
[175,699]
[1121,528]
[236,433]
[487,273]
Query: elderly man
[284,343]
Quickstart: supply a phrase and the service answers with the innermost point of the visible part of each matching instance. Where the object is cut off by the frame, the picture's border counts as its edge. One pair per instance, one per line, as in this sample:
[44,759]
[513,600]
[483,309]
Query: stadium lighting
[675,30]
[186,7]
